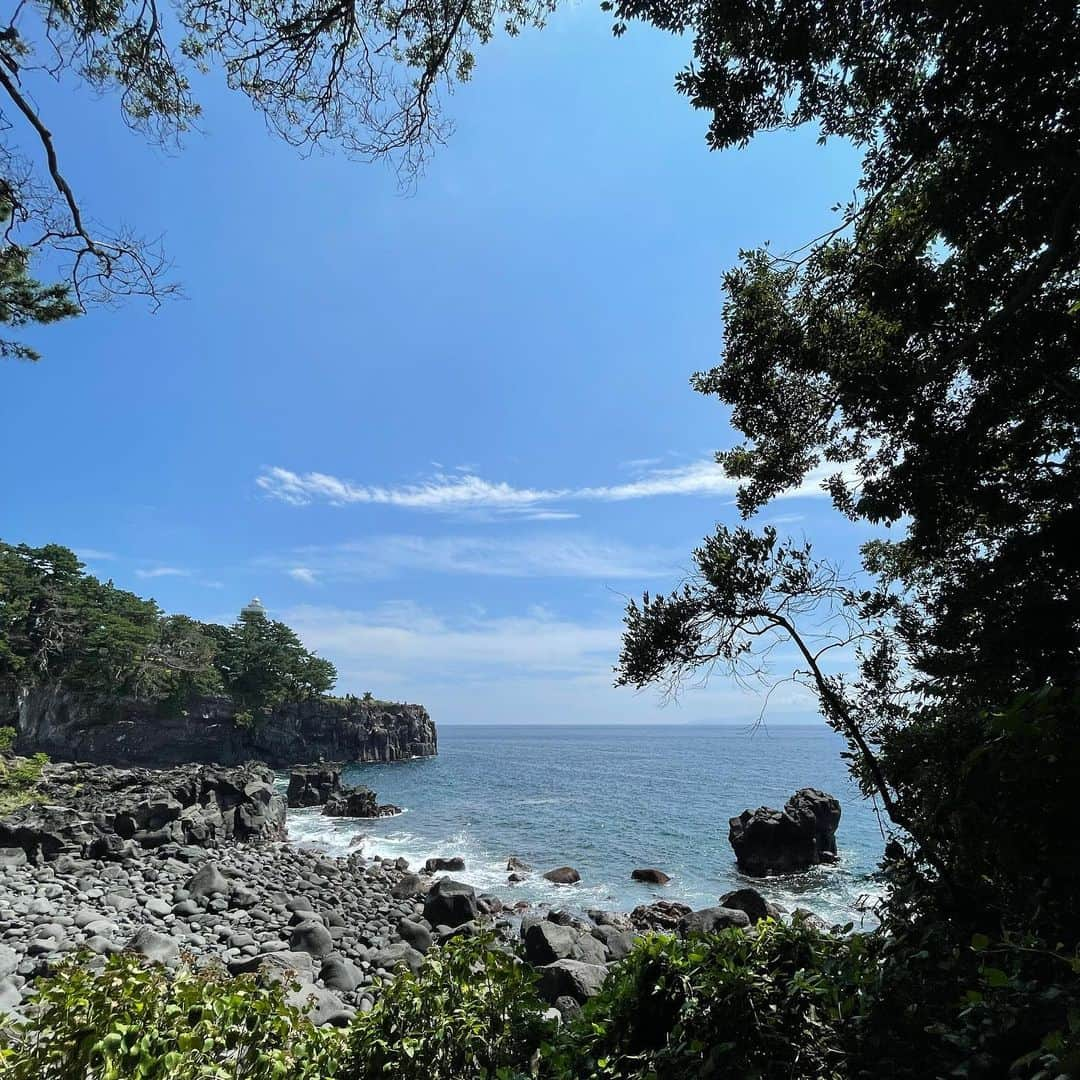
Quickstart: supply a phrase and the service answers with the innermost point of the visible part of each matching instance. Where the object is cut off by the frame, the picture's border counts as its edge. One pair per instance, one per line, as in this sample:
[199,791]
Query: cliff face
[77,727]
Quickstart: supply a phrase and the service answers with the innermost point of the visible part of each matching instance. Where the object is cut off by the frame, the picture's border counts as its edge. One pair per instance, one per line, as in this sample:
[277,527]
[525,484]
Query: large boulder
[713,919]
[563,875]
[358,802]
[435,865]
[650,876]
[752,902]
[546,942]
[787,841]
[571,978]
[450,903]
[313,785]
[662,916]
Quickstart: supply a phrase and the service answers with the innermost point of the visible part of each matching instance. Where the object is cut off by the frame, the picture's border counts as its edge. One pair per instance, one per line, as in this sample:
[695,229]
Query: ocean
[607,799]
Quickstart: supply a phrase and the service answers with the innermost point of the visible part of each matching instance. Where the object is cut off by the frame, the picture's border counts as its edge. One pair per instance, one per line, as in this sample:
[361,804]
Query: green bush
[136,1020]
[7,739]
[779,1003]
[18,780]
[471,1012]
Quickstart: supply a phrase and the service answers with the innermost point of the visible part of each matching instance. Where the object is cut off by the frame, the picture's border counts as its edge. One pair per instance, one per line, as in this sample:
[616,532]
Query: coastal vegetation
[918,362]
[61,625]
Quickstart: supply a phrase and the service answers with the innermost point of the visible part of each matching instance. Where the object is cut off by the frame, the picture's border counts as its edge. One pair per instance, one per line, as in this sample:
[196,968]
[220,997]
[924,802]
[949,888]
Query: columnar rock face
[786,841]
[80,727]
[100,812]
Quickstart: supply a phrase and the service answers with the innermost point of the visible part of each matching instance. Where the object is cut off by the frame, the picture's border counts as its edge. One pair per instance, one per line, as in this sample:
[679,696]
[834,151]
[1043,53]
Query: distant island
[91,672]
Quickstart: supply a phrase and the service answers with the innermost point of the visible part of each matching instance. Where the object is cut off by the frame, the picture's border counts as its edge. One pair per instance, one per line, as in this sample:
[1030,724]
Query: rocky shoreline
[192,865]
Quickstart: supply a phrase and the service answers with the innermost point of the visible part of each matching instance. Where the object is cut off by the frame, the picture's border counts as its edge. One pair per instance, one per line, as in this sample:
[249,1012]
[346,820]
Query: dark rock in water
[313,785]
[514,863]
[662,916]
[70,726]
[786,841]
[450,903]
[433,866]
[513,879]
[752,902]
[650,876]
[571,978]
[358,802]
[563,875]
[710,920]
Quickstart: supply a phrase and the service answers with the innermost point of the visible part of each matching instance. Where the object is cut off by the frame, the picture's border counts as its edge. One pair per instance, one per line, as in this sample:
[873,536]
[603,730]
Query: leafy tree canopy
[60,624]
[923,354]
[926,349]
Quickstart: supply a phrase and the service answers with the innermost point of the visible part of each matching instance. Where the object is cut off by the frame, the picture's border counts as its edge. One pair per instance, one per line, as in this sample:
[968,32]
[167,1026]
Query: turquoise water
[605,800]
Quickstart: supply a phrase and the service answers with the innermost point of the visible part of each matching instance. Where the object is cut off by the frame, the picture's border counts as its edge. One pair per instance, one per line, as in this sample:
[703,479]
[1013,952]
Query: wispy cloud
[535,666]
[162,571]
[94,555]
[463,492]
[539,556]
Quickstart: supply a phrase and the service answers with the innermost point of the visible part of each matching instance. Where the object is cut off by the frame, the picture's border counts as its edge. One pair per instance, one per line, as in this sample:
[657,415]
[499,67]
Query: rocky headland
[85,727]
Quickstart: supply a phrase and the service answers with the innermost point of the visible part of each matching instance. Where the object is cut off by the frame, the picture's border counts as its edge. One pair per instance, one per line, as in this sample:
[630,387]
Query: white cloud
[162,571]
[94,555]
[534,667]
[540,556]
[448,493]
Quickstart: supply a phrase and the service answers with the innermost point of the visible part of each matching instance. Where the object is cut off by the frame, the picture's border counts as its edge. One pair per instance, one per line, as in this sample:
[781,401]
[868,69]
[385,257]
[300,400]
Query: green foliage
[18,775]
[472,1011]
[60,624]
[135,1020]
[264,664]
[244,718]
[783,1002]
[24,300]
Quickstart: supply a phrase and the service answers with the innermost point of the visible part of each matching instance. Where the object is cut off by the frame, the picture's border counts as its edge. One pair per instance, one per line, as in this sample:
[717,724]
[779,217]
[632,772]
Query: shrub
[778,1003]
[244,718]
[18,780]
[135,1020]
[471,1012]
[7,739]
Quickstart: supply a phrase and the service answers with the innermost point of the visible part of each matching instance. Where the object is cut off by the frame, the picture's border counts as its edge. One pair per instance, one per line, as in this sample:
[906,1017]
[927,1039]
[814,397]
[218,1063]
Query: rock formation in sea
[803,834]
[320,785]
[80,727]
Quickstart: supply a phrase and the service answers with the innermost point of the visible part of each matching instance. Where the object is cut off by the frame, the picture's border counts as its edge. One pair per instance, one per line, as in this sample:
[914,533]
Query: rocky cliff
[77,727]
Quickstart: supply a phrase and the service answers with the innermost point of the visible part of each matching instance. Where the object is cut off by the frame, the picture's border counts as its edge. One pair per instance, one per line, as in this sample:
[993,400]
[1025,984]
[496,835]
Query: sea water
[605,800]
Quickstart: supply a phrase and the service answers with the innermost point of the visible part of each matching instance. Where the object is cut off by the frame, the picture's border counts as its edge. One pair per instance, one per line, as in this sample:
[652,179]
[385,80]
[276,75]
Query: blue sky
[444,433]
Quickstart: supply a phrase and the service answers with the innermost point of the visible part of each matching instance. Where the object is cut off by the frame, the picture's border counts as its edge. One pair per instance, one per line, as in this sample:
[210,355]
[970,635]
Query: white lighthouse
[253,607]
